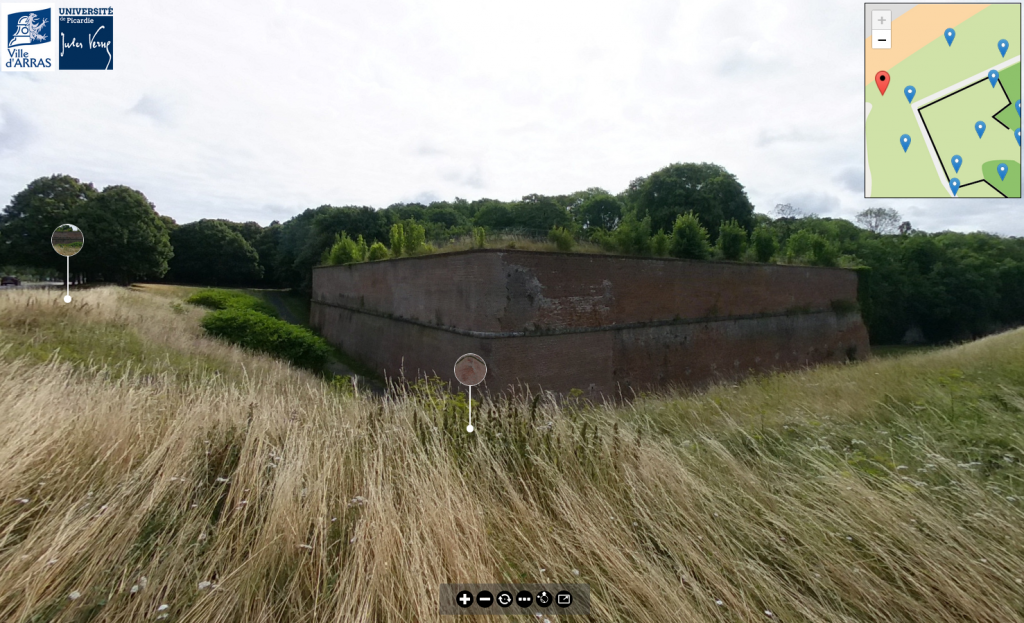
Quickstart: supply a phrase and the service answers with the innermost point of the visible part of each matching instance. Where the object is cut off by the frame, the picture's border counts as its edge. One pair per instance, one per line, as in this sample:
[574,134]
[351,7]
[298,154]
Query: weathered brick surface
[603,324]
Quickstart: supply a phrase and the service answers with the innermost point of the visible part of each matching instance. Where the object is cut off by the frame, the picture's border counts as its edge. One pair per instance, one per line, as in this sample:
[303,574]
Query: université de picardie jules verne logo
[29,44]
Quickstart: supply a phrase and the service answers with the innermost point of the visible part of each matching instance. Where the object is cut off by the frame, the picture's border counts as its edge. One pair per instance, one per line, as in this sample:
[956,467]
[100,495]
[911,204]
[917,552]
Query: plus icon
[464,599]
[881,20]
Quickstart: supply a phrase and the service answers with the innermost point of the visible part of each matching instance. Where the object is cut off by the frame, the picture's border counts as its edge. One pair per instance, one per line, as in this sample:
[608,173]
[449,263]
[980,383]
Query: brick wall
[592,322]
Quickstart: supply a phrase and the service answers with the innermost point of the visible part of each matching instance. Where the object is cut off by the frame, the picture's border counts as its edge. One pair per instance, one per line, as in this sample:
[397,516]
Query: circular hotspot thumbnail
[67,240]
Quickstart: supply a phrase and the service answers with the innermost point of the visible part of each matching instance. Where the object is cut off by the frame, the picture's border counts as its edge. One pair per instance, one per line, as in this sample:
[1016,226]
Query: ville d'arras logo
[28,40]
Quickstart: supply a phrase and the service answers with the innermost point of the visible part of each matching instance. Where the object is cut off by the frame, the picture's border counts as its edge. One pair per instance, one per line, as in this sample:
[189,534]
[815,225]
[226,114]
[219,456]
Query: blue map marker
[957,161]
[1017,134]
[1018,108]
[1001,169]
[905,141]
[909,92]
[993,77]
[979,128]
[954,185]
[1003,44]
[950,34]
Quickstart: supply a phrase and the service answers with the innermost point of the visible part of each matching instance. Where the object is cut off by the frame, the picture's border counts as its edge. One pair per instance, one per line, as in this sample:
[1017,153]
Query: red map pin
[882,80]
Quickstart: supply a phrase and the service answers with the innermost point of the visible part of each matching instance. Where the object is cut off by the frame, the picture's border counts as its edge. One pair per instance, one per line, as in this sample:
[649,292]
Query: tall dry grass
[150,472]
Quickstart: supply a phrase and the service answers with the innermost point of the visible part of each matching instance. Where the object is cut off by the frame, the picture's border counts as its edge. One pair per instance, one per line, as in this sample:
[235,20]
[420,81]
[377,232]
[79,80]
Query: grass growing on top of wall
[245,489]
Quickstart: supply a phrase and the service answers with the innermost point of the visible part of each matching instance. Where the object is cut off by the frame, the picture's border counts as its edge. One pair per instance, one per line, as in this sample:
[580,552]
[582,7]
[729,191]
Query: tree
[397,239]
[377,252]
[345,250]
[659,243]
[130,238]
[633,236]
[880,220]
[28,221]
[689,238]
[562,238]
[493,214]
[603,211]
[808,246]
[413,238]
[539,213]
[210,252]
[732,240]
[765,244]
[707,190]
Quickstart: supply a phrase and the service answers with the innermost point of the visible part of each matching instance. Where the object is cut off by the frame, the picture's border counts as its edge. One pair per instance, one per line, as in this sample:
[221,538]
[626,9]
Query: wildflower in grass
[304,546]
[222,480]
[162,607]
[357,501]
[22,500]
[205,585]
[719,602]
[576,572]
[768,613]
[74,595]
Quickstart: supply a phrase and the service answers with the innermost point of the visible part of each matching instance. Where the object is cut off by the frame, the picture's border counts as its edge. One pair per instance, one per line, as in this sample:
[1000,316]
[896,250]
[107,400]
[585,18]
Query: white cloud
[261,112]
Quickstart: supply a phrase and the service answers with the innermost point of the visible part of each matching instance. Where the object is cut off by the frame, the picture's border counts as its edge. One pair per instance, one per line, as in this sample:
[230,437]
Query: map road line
[939,95]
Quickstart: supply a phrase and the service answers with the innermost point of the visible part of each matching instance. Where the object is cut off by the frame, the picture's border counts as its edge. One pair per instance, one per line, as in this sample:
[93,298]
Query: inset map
[942,100]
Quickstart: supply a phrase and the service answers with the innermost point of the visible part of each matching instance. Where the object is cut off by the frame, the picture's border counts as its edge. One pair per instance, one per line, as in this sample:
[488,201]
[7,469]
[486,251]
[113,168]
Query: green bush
[212,298]
[259,332]
[689,238]
[377,252]
[633,236]
[415,236]
[659,244]
[732,240]
[562,238]
[345,250]
[808,246]
[397,239]
[765,244]
[480,237]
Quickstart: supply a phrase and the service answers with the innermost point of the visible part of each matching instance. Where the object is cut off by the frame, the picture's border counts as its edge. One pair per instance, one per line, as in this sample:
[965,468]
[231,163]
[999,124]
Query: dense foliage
[914,285]
[231,299]
[259,332]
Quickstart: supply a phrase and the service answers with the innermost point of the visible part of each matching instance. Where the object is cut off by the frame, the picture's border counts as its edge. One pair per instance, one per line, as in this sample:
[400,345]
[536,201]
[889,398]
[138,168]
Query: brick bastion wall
[599,323]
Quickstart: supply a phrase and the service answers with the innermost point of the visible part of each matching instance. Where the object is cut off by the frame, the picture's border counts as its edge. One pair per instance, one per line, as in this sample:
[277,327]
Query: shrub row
[257,331]
[231,299]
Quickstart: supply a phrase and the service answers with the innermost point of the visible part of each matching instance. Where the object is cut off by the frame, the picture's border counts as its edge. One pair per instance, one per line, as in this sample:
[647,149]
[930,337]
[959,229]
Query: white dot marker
[67,298]
[469,429]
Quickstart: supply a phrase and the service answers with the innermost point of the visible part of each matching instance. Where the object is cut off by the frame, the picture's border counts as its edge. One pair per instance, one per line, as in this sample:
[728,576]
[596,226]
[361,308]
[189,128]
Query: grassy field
[151,473]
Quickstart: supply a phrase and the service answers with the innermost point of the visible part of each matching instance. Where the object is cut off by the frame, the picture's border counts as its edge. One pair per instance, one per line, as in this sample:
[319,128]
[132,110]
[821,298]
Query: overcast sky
[261,110]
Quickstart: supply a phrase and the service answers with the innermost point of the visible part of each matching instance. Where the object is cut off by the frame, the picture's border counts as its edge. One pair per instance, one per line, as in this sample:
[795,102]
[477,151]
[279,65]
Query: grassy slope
[884,491]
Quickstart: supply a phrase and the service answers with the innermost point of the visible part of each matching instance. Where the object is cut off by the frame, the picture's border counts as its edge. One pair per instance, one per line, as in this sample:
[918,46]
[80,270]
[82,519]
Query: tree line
[914,285]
